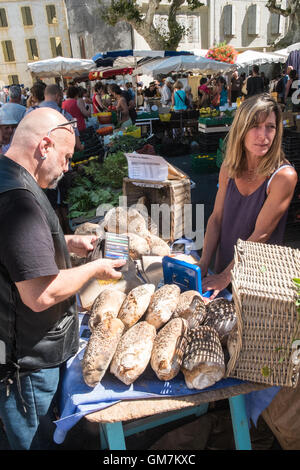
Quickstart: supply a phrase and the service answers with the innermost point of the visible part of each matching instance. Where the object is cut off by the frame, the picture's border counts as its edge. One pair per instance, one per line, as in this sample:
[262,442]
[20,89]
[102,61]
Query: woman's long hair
[251,112]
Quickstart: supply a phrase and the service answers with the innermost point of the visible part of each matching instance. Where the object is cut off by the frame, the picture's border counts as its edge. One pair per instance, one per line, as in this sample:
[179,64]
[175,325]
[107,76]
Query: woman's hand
[216,282]
[80,244]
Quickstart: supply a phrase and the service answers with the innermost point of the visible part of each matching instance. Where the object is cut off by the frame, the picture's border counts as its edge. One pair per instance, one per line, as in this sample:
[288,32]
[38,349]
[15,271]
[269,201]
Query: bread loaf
[120,220]
[203,362]
[158,247]
[138,246]
[100,350]
[88,229]
[191,307]
[135,304]
[168,349]
[162,305]
[106,305]
[221,315]
[133,352]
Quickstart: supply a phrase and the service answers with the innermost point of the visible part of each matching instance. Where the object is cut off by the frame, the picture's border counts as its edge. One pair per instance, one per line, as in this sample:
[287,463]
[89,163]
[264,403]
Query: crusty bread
[138,246]
[203,362]
[162,305]
[168,349]
[88,229]
[136,304]
[100,350]
[120,220]
[191,307]
[221,315]
[133,352]
[106,305]
[158,247]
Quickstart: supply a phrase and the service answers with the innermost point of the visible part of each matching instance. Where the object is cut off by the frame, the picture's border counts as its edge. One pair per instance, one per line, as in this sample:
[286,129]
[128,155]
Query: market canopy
[97,74]
[184,63]
[104,59]
[294,47]
[60,66]
[247,58]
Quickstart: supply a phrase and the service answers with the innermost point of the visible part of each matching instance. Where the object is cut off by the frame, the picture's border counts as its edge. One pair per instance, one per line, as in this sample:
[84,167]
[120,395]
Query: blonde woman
[256,186]
[179,97]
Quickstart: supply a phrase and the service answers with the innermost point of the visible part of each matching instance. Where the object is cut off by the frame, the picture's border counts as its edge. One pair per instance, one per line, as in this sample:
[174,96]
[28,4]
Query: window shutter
[3,19]
[253,20]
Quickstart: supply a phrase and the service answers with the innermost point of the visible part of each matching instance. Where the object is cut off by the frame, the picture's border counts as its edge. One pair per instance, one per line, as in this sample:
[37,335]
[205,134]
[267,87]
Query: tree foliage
[143,21]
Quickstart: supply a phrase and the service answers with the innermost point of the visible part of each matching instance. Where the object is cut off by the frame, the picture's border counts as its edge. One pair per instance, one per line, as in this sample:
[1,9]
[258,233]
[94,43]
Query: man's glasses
[64,125]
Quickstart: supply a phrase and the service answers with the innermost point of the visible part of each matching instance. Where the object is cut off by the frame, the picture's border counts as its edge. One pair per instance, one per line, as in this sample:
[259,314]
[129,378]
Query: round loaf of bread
[158,247]
[106,305]
[100,350]
[120,220]
[133,352]
[88,229]
[136,304]
[168,349]
[162,305]
[203,363]
[138,246]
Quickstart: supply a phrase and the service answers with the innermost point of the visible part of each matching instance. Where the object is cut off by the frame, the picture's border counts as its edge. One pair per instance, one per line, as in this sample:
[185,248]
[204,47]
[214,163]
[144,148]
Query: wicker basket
[265,300]
[174,193]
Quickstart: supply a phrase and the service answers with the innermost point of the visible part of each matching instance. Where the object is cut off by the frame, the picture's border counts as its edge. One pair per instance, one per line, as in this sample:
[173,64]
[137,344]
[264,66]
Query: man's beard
[53,184]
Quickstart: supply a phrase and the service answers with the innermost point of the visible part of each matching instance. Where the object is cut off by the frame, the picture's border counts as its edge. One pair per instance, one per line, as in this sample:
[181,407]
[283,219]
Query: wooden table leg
[113,434]
[240,422]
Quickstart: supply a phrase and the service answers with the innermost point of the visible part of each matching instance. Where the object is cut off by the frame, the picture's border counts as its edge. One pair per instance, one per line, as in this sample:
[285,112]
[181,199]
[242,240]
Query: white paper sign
[147,167]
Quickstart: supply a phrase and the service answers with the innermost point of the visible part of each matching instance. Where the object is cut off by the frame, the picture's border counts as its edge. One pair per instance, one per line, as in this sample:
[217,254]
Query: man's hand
[80,244]
[105,268]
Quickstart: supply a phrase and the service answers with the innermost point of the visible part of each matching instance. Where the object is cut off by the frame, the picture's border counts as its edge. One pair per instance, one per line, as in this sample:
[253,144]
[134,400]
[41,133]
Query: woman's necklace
[251,175]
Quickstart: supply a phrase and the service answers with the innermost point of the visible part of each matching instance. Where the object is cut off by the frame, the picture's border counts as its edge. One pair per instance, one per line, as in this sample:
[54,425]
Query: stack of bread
[170,330]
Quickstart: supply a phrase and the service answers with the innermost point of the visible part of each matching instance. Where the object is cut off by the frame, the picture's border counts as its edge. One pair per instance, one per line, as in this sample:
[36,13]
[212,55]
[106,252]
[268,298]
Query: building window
[253,20]
[32,49]
[26,16]
[8,51]
[56,46]
[229,20]
[3,19]
[275,24]
[82,47]
[51,14]
[13,80]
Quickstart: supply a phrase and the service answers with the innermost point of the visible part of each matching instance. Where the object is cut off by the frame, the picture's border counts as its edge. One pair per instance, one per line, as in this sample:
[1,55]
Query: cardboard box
[288,119]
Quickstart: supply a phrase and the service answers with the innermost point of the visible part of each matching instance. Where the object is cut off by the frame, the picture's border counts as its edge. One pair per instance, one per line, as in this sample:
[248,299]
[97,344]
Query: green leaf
[266,371]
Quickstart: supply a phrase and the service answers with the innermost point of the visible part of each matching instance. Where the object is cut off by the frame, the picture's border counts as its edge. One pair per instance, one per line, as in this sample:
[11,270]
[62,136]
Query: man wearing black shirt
[151,91]
[255,83]
[38,317]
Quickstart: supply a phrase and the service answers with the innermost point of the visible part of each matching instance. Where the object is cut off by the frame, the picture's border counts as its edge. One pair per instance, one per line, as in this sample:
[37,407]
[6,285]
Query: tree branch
[271,5]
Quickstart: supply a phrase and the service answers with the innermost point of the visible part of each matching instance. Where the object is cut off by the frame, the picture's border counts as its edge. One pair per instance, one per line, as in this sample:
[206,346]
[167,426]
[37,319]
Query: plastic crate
[215,121]
[204,163]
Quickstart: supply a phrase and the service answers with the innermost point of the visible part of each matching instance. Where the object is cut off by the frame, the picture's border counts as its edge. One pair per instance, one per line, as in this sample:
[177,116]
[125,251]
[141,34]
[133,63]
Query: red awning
[110,73]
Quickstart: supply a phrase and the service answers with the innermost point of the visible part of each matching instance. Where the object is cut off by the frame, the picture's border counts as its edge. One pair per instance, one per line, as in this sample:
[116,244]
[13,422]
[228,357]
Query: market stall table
[111,402]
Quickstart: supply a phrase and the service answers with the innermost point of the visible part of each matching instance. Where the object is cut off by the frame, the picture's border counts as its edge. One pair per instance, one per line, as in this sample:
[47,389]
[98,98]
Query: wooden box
[171,196]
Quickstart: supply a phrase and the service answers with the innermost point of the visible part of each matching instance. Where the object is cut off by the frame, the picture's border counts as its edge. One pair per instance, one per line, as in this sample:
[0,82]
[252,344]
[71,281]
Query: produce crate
[215,121]
[202,163]
[137,133]
[173,193]
[152,115]
[267,321]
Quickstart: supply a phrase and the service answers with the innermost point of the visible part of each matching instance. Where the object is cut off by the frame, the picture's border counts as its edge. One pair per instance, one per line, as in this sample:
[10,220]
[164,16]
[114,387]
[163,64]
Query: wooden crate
[174,193]
[267,350]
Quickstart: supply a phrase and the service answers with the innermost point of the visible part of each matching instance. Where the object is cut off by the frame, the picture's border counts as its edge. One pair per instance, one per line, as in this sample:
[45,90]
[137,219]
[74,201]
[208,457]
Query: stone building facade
[29,31]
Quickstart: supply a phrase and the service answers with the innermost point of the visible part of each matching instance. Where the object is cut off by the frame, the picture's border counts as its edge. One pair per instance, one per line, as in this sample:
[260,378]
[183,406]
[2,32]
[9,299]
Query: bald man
[38,317]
